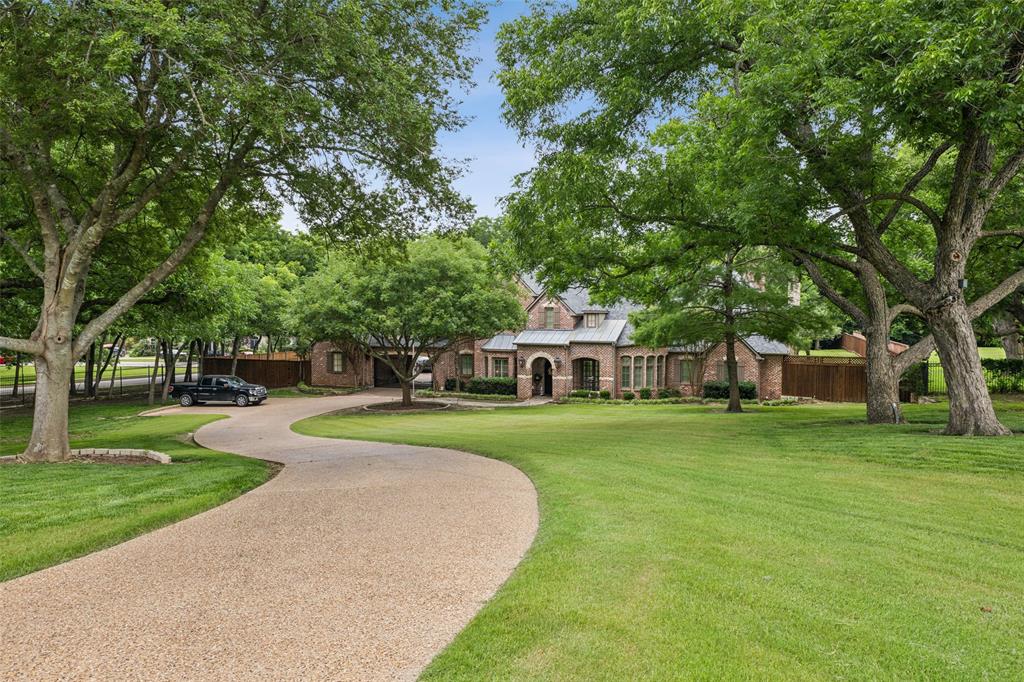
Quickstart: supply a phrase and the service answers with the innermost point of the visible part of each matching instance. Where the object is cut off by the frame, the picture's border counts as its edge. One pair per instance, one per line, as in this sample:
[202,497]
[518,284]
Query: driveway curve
[357,561]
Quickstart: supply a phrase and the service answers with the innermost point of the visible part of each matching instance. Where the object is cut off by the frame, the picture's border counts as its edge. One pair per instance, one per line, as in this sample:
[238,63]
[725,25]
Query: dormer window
[593,320]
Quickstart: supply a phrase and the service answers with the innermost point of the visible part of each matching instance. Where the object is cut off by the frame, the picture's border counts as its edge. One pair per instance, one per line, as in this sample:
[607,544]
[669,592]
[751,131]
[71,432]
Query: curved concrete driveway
[358,561]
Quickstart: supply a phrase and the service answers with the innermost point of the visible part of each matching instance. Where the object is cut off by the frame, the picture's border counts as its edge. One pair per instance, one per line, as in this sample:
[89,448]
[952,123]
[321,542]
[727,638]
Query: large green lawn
[50,513]
[680,542]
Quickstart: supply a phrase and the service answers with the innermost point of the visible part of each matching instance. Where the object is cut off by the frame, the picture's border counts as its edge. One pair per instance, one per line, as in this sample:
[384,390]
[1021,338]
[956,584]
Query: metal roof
[544,337]
[607,332]
[500,342]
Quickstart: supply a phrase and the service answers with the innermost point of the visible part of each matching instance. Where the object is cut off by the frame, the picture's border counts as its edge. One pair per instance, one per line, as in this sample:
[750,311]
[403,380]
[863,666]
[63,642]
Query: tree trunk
[17,374]
[234,354]
[156,369]
[90,368]
[883,384]
[188,362]
[105,362]
[970,407]
[170,362]
[113,370]
[406,393]
[733,374]
[49,439]
[1009,335]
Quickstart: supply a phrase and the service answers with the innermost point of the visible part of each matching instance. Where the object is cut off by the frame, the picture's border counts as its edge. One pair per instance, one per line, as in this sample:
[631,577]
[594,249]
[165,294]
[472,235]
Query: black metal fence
[1001,376]
[19,387]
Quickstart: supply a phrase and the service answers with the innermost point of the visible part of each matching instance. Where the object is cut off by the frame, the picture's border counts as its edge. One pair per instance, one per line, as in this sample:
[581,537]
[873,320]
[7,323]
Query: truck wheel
[241,400]
[186,400]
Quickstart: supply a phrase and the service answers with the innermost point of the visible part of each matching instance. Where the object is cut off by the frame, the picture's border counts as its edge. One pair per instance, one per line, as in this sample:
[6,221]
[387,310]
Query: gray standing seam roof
[500,342]
[544,337]
[607,332]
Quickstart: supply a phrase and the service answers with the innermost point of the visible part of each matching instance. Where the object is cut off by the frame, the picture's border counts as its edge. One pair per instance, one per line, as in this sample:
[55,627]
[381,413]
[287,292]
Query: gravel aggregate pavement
[357,561]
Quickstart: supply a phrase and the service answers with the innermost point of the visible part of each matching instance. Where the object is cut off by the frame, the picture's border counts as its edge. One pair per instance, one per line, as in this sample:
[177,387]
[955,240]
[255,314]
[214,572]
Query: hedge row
[720,389]
[484,385]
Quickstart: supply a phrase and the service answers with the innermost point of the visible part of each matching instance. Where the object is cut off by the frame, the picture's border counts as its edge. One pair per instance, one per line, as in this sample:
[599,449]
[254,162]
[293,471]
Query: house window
[638,371]
[586,374]
[686,371]
[592,320]
[661,370]
[549,317]
[499,367]
[336,363]
[650,371]
[626,367]
[466,364]
[723,371]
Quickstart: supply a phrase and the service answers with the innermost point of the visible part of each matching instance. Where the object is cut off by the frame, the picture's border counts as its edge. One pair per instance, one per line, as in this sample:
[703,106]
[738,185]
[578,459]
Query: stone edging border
[114,453]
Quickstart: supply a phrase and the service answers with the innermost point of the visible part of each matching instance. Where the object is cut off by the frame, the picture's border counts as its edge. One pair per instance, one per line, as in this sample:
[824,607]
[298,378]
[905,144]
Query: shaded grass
[680,542]
[50,513]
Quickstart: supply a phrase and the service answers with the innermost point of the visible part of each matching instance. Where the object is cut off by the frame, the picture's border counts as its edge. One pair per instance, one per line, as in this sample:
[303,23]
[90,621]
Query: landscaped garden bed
[498,398]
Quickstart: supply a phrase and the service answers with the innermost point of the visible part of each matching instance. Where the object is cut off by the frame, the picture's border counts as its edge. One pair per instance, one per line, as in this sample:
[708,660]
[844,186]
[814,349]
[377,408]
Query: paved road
[358,561]
[30,387]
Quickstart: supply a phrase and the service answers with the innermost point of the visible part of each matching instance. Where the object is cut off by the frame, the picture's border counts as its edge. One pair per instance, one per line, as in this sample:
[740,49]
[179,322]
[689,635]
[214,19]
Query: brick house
[571,343]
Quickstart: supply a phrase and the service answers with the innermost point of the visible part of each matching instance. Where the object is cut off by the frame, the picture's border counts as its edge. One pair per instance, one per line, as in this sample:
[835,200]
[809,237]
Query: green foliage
[418,298]
[492,385]
[669,393]
[628,396]
[720,389]
[604,394]
[645,393]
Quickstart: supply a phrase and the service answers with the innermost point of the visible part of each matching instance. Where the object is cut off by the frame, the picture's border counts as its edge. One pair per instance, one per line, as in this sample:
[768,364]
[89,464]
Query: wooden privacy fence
[834,379]
[269,373]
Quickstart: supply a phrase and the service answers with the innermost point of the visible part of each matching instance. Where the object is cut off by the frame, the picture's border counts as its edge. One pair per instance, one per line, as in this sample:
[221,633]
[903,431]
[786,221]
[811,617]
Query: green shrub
[645,393]
[491,385]
[451,384]
[579,393]
[669,393]
[720,389]
[780,402]
[604,395]
[628,395]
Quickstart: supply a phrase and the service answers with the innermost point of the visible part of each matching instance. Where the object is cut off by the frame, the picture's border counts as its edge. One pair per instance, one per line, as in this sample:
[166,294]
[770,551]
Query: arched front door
[541,376]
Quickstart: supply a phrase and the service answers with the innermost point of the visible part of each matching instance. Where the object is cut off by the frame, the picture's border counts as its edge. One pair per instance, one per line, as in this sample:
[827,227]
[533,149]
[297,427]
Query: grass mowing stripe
[50,513]
[680,542]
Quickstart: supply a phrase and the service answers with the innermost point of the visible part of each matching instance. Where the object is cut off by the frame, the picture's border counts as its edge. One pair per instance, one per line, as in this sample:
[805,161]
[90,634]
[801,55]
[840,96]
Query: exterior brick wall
[358,370]
[508,355]
[563,318]
[770,387]
[744,358]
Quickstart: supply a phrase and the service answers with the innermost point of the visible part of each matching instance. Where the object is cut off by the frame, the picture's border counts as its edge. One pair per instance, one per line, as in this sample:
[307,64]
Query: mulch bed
[417,406]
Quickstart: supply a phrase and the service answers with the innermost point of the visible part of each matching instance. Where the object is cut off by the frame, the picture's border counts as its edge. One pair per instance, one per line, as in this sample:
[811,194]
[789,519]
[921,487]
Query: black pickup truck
[213,388]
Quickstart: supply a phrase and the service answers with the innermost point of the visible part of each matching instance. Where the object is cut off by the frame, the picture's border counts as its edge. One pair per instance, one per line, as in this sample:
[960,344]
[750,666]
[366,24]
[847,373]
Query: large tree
[839,85]
[117,117]
[421,299]
[665,223]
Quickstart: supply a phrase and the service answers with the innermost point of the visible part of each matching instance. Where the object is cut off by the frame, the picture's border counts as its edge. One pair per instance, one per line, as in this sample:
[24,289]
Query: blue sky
[493,151]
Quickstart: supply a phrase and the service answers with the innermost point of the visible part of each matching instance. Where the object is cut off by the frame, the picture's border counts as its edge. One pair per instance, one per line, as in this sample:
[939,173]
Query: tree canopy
[417,300]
